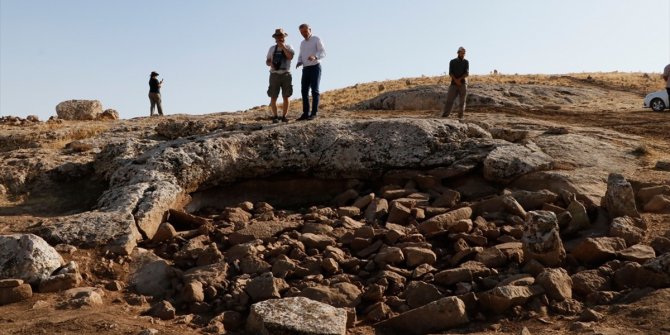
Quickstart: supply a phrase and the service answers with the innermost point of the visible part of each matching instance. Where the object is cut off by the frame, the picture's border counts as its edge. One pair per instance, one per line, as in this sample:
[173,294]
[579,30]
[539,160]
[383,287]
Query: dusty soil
[646,313]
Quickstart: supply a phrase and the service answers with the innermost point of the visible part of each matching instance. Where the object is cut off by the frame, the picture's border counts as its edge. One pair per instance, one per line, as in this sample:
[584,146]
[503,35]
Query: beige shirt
[666,73]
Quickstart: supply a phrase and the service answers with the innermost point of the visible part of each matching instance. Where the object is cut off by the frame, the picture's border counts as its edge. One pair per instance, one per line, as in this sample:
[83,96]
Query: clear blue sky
[211,53]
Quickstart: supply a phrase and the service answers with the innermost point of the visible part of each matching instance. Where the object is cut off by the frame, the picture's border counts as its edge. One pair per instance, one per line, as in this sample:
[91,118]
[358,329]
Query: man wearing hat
[279,60]
[459,69]
[155,93]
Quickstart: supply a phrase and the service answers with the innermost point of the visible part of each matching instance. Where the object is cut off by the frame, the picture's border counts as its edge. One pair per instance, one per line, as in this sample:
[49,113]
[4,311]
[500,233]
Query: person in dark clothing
[155,94]
[459,70]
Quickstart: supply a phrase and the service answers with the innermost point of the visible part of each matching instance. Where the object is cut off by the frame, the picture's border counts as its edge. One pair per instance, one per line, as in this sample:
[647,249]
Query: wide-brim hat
[279,32]
[154,73]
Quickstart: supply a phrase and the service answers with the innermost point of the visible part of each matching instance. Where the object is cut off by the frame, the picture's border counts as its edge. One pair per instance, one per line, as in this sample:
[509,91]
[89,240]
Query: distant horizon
[211,54]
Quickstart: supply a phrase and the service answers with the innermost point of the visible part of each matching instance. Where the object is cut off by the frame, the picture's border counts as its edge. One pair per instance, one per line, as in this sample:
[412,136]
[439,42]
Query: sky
[211,53]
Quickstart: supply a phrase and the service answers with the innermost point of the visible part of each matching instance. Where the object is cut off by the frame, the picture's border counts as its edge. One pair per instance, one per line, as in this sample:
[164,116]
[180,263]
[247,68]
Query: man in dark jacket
[459,70]
[155,94]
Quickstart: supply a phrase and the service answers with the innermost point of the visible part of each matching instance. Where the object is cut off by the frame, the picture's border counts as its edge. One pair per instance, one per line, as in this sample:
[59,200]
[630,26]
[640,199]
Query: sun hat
[279,32]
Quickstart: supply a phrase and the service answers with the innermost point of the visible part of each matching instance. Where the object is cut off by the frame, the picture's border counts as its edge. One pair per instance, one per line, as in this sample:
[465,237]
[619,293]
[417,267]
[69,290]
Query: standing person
[666,77]
[311,53]
[459,69]
[279,60]
[155,93]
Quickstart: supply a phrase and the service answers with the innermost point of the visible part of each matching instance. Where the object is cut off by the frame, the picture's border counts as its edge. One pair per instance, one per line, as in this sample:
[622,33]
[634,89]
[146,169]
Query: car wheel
[657,105]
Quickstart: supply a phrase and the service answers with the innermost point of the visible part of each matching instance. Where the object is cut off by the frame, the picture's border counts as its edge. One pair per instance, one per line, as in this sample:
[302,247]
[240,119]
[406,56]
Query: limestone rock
[151,274]
[541,239]
[296,315]
[27,257]
[79,109]
[436,316]
[619,199]
[508,162]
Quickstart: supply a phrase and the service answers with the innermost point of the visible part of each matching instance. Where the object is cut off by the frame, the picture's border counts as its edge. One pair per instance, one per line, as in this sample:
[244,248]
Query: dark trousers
[311,76]
[668,89]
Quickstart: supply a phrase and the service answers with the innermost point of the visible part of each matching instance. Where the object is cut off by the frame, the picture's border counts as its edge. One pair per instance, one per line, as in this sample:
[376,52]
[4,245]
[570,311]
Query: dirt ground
[621,110]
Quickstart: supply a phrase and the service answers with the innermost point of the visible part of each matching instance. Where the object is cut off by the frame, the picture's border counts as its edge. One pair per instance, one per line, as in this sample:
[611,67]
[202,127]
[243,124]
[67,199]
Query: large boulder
[508,162]
[296,315]
[27,257]
[79,109]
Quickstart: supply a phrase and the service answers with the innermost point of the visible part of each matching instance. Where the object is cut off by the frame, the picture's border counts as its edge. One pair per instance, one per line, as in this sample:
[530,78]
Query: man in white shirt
[279,60]
[311,53]
[666,77]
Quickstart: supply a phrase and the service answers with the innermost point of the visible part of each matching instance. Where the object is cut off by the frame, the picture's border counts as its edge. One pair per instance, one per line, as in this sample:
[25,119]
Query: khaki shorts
[283,81]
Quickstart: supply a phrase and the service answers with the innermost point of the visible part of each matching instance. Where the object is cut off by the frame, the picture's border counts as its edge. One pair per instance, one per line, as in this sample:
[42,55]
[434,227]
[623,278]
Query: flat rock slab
[261,230]
[296,315]
[436,316]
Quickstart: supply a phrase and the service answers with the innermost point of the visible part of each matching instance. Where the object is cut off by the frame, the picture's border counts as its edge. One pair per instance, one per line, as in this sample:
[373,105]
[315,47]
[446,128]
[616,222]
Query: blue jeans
[311,76]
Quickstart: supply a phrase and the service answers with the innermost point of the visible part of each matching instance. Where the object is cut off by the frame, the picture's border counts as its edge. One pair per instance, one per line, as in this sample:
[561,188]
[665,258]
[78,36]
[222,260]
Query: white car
[657,101]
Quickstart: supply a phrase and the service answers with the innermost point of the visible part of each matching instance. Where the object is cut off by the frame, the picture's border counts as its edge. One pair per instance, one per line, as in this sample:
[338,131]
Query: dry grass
[636,82]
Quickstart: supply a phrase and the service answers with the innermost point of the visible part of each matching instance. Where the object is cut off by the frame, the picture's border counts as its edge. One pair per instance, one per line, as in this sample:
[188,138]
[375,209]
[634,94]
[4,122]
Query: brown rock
[467,272]
[434,317]
[377,209]
[619,199]
[398,213]
[658,204]
[661,245]
[9,283]
[639,253]
[377,312]
[263,230]
[163,310]
[415,256]
[339,295]
[9,295]
[556,283]
[61,282]
[350,211]
[492,257]
[265,287]
[645,194]
[193,292]
[419,293]
[448,199]
[502,298]
[316,241]
[598,249]
[589,281]
[625,228]
[363,201]
[389,255]
[164,233]
[444,221]
[345,197]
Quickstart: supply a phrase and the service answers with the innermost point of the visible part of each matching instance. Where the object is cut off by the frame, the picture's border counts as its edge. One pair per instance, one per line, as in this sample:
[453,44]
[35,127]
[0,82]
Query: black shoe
[284,119]
[302,118]
[275,119]
[312,117]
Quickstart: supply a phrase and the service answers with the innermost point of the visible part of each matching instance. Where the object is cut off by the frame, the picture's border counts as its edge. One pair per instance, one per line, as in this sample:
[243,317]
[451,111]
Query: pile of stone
[17,121]
[28,263]
[412,256]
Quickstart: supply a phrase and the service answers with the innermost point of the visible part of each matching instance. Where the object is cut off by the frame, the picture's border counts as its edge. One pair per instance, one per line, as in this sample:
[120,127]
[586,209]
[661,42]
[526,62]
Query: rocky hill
[544,210]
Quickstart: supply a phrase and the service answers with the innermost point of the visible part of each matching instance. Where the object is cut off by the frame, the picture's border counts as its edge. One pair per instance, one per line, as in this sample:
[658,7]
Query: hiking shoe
[302,118]
[284,119]
[312,117]
[275,119]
